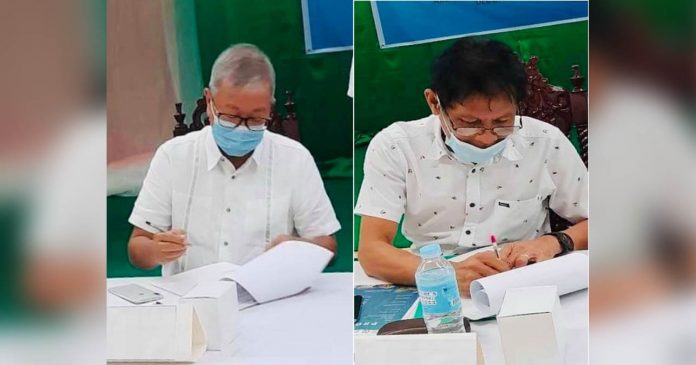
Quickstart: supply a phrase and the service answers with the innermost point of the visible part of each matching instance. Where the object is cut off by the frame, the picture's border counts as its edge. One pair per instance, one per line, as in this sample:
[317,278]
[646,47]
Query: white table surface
[575,310]
[315,327]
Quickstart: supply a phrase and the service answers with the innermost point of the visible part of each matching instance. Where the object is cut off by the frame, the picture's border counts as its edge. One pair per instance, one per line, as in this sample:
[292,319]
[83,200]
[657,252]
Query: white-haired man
[233,189]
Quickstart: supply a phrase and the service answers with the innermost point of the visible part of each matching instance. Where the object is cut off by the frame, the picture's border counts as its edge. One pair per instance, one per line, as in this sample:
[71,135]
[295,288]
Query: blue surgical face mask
[468,153]
[236,141]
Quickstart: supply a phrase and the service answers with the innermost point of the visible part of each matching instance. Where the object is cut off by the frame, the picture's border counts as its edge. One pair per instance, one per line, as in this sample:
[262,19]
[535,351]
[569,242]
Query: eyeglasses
[234,121]
[465,132]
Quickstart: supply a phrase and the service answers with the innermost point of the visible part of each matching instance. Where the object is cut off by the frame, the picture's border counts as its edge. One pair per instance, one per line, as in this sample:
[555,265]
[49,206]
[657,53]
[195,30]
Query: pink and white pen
[495,246]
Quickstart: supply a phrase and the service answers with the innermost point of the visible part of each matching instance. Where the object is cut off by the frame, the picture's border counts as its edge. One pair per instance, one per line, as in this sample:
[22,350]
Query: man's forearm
[388,263]
[140,252]
[327,242]
[578,233]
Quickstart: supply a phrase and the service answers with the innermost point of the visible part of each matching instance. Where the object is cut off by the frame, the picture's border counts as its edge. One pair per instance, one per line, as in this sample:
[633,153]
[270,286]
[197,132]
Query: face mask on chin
[470,154]
[467,153]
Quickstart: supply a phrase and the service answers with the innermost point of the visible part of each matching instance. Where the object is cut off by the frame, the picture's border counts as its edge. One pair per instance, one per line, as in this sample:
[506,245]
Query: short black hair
[477,67]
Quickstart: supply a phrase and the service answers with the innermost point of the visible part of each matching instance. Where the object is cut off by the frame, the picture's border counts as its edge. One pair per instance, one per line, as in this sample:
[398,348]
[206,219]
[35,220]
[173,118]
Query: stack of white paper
[285,270]
[568,273]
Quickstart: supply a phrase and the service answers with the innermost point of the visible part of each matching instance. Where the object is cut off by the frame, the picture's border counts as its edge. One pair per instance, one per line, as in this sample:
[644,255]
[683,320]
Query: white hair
[242,64]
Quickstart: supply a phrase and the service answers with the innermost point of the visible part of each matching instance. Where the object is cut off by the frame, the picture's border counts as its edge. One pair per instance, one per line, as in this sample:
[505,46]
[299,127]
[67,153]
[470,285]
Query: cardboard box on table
[416,349]
[530,326]
[218,311]
[154,333]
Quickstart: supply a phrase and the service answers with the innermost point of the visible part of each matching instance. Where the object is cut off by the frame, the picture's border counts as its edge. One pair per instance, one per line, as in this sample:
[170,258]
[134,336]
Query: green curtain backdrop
[188,54]
[389,83]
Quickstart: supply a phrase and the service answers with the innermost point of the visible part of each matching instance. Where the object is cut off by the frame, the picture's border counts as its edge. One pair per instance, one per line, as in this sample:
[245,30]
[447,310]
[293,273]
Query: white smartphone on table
[135,293]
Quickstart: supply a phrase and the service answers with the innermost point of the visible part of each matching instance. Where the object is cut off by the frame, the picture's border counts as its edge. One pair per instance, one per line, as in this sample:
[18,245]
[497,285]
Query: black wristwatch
[567,244]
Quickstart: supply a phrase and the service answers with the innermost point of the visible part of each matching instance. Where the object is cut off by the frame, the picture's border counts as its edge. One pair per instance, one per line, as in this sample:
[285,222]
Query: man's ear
[431,99]
[208,95]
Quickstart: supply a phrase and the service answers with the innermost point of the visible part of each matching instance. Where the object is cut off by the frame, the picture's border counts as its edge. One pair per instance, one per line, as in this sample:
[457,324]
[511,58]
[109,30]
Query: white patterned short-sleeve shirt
[409,172]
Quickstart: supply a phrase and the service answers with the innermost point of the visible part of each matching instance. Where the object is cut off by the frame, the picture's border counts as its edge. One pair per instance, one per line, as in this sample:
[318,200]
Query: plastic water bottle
[438,292]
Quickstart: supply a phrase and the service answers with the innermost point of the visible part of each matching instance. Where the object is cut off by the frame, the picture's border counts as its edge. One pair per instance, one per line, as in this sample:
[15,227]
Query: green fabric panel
[319,81]
[14,215]
[389,83]
[337,168]
[119,230]
[190,77]
[339,191]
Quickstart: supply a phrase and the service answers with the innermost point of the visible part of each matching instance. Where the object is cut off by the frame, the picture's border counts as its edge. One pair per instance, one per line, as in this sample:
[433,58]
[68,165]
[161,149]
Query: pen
[160,230]
[495,246]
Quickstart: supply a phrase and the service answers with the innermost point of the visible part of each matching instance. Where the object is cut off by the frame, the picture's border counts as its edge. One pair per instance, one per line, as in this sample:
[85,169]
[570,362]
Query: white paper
[287,269]
[471,311]
[244,298]
[182,283]
[528,300]
[209,289]
[568,273]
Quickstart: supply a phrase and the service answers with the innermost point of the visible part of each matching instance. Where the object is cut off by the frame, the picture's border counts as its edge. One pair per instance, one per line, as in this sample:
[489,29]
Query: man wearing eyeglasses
[233,189]
[473,169]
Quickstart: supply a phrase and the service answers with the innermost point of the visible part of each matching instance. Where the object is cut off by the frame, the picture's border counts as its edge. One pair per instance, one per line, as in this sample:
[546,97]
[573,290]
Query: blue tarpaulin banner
[328,25]
[401,23]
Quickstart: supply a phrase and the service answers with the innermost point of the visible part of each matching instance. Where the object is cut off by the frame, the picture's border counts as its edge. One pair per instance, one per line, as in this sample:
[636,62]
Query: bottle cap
[429,251]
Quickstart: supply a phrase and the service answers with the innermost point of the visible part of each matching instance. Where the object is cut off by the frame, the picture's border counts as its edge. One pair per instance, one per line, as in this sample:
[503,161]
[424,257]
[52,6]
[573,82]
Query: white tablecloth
[315,327]
[575,323]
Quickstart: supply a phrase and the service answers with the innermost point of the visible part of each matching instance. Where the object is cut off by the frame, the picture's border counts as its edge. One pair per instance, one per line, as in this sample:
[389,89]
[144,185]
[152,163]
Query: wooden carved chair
[559,107]
[286,125]
[555,105]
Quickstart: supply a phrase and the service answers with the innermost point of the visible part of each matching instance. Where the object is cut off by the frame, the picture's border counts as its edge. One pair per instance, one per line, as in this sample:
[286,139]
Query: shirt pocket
[514,220]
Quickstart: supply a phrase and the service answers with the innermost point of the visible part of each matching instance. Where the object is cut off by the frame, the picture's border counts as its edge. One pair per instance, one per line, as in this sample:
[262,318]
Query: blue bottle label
[441,298]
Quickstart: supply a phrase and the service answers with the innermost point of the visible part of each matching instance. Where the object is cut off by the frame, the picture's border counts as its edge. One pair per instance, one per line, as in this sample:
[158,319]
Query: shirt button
[228,210]
[233,177]
[472,205]
[473,170]
[222,159]
[225,243]
[468,231]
